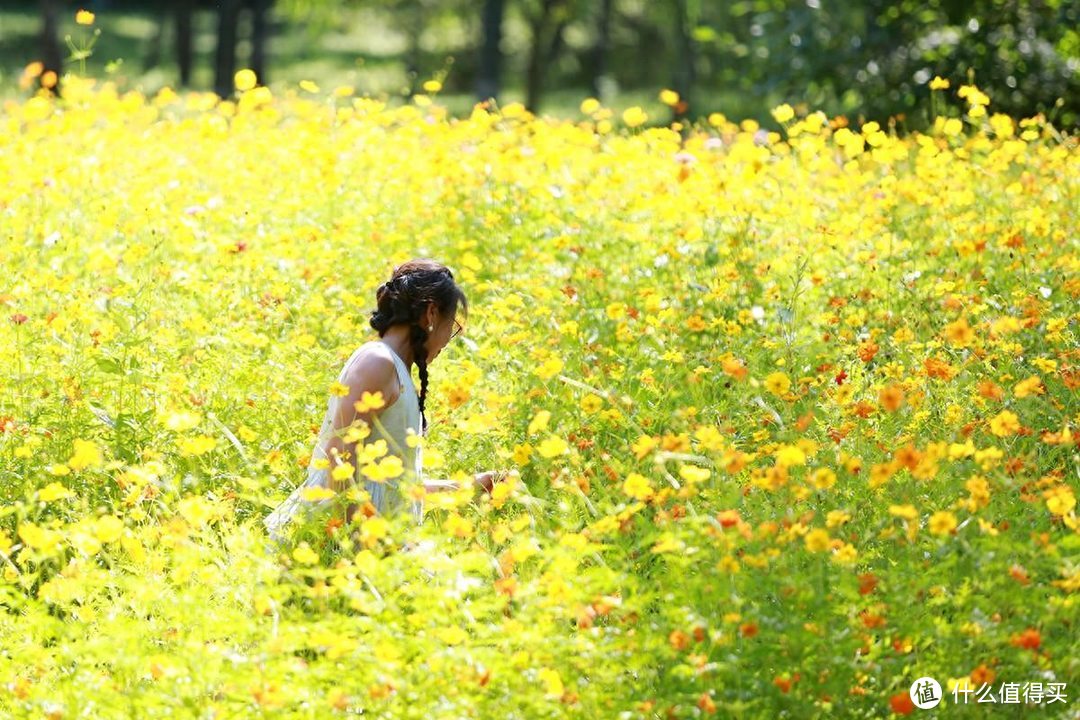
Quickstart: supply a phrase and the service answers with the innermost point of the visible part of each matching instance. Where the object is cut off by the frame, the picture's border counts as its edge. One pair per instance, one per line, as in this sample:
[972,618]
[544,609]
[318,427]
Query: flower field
[794,415]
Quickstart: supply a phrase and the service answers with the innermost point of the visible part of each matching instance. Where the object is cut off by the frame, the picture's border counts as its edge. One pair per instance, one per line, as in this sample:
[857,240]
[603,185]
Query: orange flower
[1019,574]
[734,368]
[749,629]
[868,350]
[678,639]
[940,369]
[907,456]
[728,518]
[1029,639]
[989,390]
[959,333]
[862,409]
[982,674]
[891,398]
[706,704]
[901,703]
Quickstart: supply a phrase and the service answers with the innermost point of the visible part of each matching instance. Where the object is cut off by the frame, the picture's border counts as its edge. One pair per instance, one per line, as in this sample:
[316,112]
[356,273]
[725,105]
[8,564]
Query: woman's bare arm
[371,374]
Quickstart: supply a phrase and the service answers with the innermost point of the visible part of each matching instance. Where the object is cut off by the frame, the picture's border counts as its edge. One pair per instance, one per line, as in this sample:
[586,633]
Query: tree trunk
[487,79]
[542,54]
[415,19]
[260,32]
[153,53]
[185,10]
[685,74]
[600,49]
[225,57]
[50,43]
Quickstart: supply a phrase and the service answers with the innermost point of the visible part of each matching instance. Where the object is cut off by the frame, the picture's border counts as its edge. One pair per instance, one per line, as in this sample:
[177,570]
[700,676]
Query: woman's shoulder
[373,364]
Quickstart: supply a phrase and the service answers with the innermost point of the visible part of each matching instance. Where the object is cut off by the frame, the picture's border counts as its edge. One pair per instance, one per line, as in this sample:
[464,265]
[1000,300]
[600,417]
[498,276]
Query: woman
[415,319]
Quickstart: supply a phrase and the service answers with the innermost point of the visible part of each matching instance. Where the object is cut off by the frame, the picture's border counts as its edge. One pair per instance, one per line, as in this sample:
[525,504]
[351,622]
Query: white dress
[396,420]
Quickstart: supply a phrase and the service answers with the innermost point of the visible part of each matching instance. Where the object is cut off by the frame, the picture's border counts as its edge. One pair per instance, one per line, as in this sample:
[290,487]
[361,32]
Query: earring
[430,328]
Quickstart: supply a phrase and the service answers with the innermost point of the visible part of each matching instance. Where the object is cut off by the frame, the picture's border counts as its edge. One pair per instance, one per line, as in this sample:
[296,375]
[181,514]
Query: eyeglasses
[457,330]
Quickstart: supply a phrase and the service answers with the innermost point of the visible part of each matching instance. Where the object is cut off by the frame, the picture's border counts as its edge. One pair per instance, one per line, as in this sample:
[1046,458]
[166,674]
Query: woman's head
[421,296]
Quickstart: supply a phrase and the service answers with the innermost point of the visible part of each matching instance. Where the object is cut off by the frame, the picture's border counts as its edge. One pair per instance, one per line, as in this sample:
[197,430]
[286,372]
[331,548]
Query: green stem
[21,385]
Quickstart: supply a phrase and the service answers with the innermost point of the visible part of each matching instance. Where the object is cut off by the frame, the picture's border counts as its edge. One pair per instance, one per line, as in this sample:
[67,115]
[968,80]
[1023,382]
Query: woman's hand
[488,478]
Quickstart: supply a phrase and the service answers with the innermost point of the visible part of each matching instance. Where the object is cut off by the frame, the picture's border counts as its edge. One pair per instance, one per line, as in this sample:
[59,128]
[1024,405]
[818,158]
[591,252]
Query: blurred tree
[260,32]
[686,17]
[50,43]
[598,73]
[489,71]
[225,54]
[184,11]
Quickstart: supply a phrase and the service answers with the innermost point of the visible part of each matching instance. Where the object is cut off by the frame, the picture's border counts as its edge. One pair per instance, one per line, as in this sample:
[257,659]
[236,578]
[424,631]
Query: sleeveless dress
[395,420]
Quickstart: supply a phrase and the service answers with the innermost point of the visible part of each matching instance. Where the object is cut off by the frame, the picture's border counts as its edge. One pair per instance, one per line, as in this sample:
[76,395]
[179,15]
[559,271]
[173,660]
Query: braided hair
[403,299]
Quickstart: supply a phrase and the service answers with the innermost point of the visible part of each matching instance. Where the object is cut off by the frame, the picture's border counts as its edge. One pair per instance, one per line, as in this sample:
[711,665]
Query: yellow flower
[343,471]
[184,420]
[643,446]
[553,685]
[942,522]
[539,422]
[837,517]
[108,528]
[197,510]
[669,97]
[552,446]
[908,512]
[304,555]
[245,79]
[369,401]
[549,368]
[374,529]
[790,455]
[452,635]
[783,113]
[459,526]
[591,403]
[777,383]
[53,491]
[1060,500]
[85,454]
[823,478]
[846,554]
[939,83]
[522,453]
[39,538]
[84,17]
[315,494]
[388,468]
[1031,386]
[668,543]
[638,487]
[634,116]
[589,106]
[1004,423]
[199,445]
[309,86]
[817,540]
[694,474]
[432,86]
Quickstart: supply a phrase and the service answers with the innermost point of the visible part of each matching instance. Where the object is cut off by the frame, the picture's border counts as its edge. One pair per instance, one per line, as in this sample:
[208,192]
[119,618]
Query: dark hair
[404,298]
